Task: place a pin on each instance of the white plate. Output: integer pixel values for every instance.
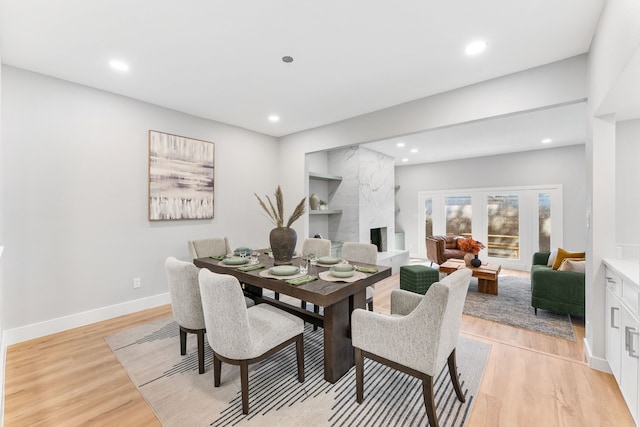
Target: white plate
(284, 270)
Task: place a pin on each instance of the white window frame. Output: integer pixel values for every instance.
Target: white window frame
(528, 207)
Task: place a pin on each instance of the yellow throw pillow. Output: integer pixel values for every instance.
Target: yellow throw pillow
(562, 254)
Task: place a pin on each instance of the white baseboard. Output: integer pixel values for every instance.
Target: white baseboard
(594, 362)
(37, 330)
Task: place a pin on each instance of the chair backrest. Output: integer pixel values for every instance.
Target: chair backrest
(215, 246)
(318, 247)
(366, 253)
(437, 321)
(185, 293)
(225, 315)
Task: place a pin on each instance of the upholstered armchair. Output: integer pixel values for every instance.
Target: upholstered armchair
(215, 246)
(442, 248)
(366, 253)
(242, 336)
(417, 338)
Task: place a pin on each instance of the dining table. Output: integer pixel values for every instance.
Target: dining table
(338, 298)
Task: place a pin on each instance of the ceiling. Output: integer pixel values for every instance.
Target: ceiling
(223, 60)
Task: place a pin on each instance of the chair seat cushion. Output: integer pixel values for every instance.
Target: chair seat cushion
(417, 278)
(269, 327)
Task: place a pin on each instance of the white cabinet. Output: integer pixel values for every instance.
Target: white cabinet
(623, 335)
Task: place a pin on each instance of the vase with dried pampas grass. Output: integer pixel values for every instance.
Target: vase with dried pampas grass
(283, 238)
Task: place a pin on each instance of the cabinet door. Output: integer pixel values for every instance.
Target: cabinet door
(614, 333)
(629, 361)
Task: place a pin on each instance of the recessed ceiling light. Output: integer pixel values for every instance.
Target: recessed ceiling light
(405, 160)
(274, 119)
(118, 65)
(287, 59)
(546, 140)
(400, 144)
(476, 47)
(414, 150)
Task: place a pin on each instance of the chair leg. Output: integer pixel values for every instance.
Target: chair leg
(429, 404)
(217, 369)
(183, 341)
(453, 373)
(359, 375)
(244, 384)
(300, 358)
(277, 295)
(535, 310)
(370, 304)
(200, 335)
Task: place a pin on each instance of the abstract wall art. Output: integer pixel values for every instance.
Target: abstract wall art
(181, 177)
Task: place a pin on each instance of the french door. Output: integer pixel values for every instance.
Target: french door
(512, 222)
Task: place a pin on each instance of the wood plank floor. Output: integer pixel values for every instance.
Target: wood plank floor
(73, 379)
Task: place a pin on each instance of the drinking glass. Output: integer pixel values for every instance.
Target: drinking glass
(304, 265)
(254, 257)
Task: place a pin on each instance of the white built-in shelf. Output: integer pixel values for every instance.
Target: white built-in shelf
(324, 176)
(325, 211)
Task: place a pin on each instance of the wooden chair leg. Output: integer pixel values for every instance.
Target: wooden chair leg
(200, 335)
(183, 341)
(453, 373)
(217, 369)
(535, 310)
(370, 304)
(277, 295)
(300, 358)
(244, 384)
(359, 375)
(429, 404)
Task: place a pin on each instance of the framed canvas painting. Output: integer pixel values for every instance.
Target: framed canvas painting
(181, 171)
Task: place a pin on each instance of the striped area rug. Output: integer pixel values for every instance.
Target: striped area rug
(170, 383)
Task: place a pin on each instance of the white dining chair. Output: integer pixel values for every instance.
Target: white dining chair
(417, 338)
(243, 336)
(366, 253)
(215, 246)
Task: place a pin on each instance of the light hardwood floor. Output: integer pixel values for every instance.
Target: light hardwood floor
(73, 378)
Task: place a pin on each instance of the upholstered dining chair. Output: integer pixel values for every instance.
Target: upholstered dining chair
(417, 338)
(317, 247)
(366, 253)
(243, 336)
(215, 246)
(186, 304)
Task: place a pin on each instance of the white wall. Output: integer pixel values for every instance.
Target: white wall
(627, 182)
(616, 41)
(75, 203)
(564, 165)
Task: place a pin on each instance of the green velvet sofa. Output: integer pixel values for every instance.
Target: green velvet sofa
(553, 290)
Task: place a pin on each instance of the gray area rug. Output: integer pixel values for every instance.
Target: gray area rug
(512, 306)
(170, 383)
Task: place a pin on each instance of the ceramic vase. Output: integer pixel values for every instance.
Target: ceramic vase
(314, 201)
(467, 259)
(283, 244)
(476, 262)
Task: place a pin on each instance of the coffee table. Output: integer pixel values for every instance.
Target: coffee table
(487, 274)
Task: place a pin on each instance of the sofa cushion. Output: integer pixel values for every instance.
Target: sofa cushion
(552, 257)
(573, 264)
(562, 254)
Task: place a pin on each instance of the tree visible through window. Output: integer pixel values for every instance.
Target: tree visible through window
(458, 215)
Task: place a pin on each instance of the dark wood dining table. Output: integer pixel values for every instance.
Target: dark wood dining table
(338, 300)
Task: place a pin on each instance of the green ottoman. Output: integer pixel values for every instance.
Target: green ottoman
(417, 278)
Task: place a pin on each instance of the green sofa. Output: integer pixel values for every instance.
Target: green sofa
(558, 291)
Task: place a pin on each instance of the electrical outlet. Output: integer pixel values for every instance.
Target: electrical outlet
(137, 282)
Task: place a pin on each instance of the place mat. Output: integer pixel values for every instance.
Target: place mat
(267, 274)
(326, 275)
(251, 267)
(302, 280)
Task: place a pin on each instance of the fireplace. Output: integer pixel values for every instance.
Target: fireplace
(379, 238)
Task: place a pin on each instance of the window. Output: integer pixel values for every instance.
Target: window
(503, 226)
(458, 215)
(428, 217)
(544, 222)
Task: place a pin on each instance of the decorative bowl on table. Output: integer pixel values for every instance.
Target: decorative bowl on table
(342, 271)
(235, 260)
(328, 260)
(284, 270)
